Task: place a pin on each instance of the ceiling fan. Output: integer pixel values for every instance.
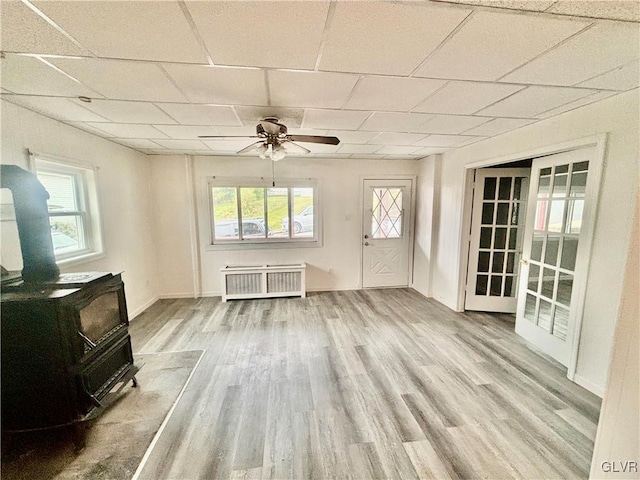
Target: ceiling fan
(274, 141)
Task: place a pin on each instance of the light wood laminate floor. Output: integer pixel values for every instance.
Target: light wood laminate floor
(362, 384)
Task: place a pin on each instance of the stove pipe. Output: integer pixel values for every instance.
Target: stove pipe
(32, 217)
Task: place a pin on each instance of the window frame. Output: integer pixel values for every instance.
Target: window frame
(267, 242)
(86, 191)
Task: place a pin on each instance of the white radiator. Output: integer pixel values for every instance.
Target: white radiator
(263, 281)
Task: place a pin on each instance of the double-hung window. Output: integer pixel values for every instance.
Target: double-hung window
(251, 211)
(73, 208)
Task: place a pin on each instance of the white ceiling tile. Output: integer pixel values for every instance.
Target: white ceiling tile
(137, 143)
(529, 5)
(465, 97)
(190, 114)
(348, 136)
(182, 144)
(283, 35)
(615, 10)
(621, 78)
(386, 37)
(127, 130)
(430, 151)
(445, 140)
(532, 101)
(28, 75)
(577, 103)
(492, 44)
(396, 122)
(25, 31)
(121, 111)
(90, 129)
(223, 86)
(181, 132)
(55, 107)
(122, 80)
(250, 116)
(392, 138)
(230, 146)
(244, 131)
(452, 123)
(307, 131)
(334, 119)
(355, 148)
(310, 89)
(597, 50)
(395, 94)
(397, 150)
(498, 126)
(135, 30)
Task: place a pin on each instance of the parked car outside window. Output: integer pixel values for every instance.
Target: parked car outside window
(303, 222)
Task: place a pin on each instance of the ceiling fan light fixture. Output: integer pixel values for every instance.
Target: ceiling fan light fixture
(278, 153)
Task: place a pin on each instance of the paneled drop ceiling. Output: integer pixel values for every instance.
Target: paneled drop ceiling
(390, 79)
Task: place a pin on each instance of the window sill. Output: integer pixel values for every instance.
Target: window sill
(80, 259)
(265, 245)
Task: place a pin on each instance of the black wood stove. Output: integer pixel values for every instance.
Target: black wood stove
(65, 339)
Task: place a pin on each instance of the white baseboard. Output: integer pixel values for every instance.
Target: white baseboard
(589, 385)
(139, 310)
(332, 289)
(170, 296)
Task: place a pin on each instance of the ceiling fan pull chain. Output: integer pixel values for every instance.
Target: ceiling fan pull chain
(273, 173)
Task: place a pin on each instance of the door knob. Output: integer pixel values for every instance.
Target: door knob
(366, 236)
(366, 244)
(524, 261)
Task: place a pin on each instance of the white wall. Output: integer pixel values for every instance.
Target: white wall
(426, 220)
(617, 116)
(333, 266)
(123, 182)
(617, 438)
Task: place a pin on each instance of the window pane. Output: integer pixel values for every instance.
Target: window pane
(277, 212)
(485, 237)
(496, 286)
(489, 188)
(225, 213)
(578, 184)
(513, 238)
(487, 213)
(481, 284)
(574, 216)
(511, 262)
(560, 184)
(530, 308)
(517, 188)
(504, 190)
(544, 315)
(555, 216)
(67, 234)
(551, 252)
(534, 274)
(498, 262)
(569, 253)
(565, 288)
(252, 206)
(548, 282)
(502, 217)
(541, 214)
(483, 261)
(302, 212)
(536, 247)
(560, 322)
(500, 241)
(508, 287)
(62, 191)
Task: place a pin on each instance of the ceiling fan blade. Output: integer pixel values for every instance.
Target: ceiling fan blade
(251, 147)
(228, 136)
(291, 147)
(314, 139)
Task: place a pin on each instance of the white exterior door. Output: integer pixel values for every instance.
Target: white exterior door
(497, 224)
(386, 233)
(560, 220)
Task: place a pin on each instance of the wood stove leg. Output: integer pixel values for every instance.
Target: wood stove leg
(134, 382)
(79, 436)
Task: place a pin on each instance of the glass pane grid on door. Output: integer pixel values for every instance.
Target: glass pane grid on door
(558, 220)
(386, 213)
(498, 256)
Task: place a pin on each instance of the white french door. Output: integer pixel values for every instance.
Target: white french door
(497, 224)
(560, 217)
(386, 235)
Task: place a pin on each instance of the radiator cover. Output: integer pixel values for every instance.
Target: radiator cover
(263, 281)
